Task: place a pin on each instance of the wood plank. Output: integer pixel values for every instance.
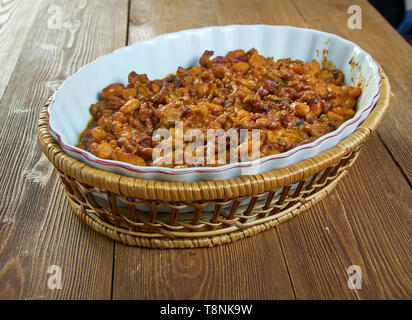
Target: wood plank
(251, 268)
(383, 42)
(257, 12)
(13, 34)
(376, 225)
(326, 228)
(365, 221)
(38, 228)
(150, 18)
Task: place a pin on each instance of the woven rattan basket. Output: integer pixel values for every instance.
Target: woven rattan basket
(206, 213)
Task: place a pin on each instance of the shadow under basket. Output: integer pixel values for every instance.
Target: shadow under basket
(205, 213)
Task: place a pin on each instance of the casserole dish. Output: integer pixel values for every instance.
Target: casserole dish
(160, 56)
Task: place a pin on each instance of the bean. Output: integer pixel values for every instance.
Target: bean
(97, 109)
(257, 61)
(104, 150)
(241, 67)
(155, 88)
(338, 77)
(98, 133)
(302, 109)
(298, 68)
(248, 83)
(333, 88)
(196, 70)
(129, 93)
(355, 92)
(205, 59)
(219, 71)
(336, 117)
(119, 116)
(115, 89)
(235, 54)
(347, 113)
(139, 161)
(113, 143)
(120, 155)
(130, 106)
(202, 89)
(314, 66)
(316, 108)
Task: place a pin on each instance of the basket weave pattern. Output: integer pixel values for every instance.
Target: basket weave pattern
(197, 214)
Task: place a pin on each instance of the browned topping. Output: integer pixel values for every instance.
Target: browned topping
(290, 101)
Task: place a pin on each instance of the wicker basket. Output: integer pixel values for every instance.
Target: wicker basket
(206, 213)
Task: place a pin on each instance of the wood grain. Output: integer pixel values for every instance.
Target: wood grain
(38, 228)
(252, 268)
(13, 33)
(376, 225)
(149, 18)
(360, 224)
(394, 54)
(309, 237)
(257, 12)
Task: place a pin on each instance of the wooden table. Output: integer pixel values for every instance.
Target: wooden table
(366, 221)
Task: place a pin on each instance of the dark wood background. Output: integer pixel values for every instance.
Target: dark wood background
(366, 221)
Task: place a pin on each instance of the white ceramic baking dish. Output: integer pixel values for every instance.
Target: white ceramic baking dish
(157, 57)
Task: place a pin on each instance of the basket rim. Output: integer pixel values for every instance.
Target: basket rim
(209, 189)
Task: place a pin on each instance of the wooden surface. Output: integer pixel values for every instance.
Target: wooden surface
(366, 221)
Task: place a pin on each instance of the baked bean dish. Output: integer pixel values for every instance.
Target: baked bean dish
(288, 102)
